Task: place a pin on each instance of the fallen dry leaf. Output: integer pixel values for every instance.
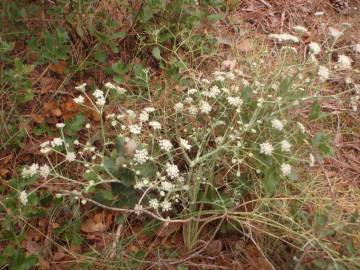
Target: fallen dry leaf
(47, 84)
(245, 45)
(32, 247)
(214, 248)
(38, 118)
(166, 231)
(51, 109)
(58, 68)
(97, 223)
(69, 109)
(59, 255)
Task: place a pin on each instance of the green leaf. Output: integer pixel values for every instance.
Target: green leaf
(119, 68)
(103, 195)
(322, 142)
(75, 124)
(270, 181)
(246, 94)
(100, 56)
(148, 169)
(316, 111)
(156, 53)
(120, 143)
(215, 17)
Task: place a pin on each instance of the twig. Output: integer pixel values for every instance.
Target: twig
(332, 193)
(116, 240)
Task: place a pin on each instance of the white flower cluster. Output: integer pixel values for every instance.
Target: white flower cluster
(35, 169)
(284, 38)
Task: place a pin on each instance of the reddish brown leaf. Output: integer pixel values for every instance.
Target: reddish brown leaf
(38, 118)
(58, 68)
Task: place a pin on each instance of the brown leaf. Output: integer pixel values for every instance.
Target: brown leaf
(51, 109)
(43, 264)
(166, 231)
(69, 109)
(98, 223)
(58, 256)
(32, 247)
(245, 45)
(214, 248)
(38, 118)
(58, 68)
(47, 84)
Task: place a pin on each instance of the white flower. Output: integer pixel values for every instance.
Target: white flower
(193, 110)
(314, 48)
(167, 186)
(149, 109)
(344, 61)
(70, 156)
(100, 101)
(277, 124)
(44, 171)
(81, 87)
(119, 89)
(205, 81)
(87, 126)
(356, 48)
(189, 100)
(214, 91)
(311, 160)
(60, 125)
(284, 37)
(235, 101)
(138, 208)
(192, 91)
(79, 100)
(23, 197)
(155, 125)
(166, 205)
(335, 33)
(56, 142)
(131, 114)
(285, 146)
(266, 148)
(285, 169)
(31, 171)
(260, 102)
(323, 73)
(144, 116)
(179, 107)
(154, 203)
(301, 127)
(172, 171)
(45, 144)
(98, 94)
(141, 156)
(300, 29)
(165, 145)
(205, 107)
(185, 144)
(109, 85)
(135, 129)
